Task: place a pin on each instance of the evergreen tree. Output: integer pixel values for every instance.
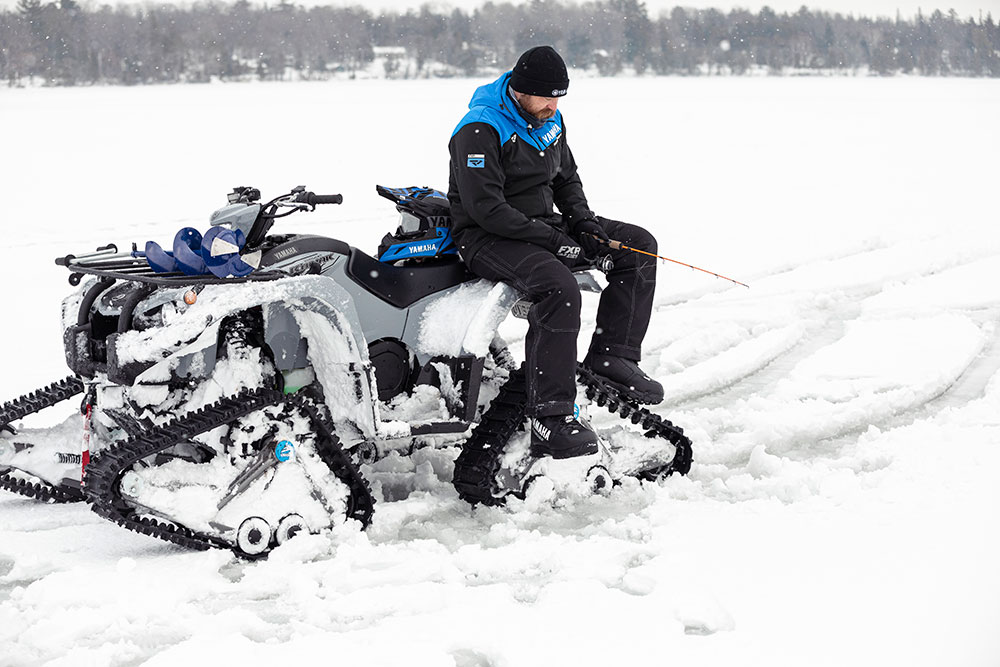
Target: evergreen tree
(62, 43)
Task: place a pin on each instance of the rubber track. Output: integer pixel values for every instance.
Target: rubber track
(479, 461)
(361, 503)
(29, 404)
(107, 468)
(616, 401)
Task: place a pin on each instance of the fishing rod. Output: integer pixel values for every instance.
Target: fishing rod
(618, 245)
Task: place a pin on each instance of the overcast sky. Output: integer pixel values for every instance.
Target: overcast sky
(907, 8)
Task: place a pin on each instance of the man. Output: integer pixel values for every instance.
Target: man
(510, 164)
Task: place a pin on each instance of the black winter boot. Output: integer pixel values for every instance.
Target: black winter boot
(625, 375)
(561, 437)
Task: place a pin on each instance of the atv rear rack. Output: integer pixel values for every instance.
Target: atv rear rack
(107, 262)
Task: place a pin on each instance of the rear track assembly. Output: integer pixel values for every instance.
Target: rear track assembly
(479, 462)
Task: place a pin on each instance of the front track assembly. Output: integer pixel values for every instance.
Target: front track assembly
(479, 464)
(26, 405)
(106, 471)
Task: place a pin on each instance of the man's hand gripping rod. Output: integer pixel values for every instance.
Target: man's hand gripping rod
(618, 245)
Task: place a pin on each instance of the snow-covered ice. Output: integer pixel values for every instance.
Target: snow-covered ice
(845, 410)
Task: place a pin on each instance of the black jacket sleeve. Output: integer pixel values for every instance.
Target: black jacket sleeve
(481, 187)
(567, 189)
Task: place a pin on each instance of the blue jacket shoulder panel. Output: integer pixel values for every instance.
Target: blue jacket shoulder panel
(491, 117)
(490, 105)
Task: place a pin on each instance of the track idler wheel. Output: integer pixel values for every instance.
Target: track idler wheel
(290, 526)
(599, 480)
(254, 536)
(132, 484)
(545, 480)
(365, 453)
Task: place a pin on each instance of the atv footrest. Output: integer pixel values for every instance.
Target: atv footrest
(439, 427)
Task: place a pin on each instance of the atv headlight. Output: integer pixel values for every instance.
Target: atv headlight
(148, 319)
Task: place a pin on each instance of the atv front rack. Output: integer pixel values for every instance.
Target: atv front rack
(82, 340)
(107, 262)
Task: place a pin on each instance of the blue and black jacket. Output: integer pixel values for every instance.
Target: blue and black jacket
(508, 169)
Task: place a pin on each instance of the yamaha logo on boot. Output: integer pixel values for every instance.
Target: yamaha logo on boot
(540, 430)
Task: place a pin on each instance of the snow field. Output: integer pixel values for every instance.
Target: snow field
(842, 507)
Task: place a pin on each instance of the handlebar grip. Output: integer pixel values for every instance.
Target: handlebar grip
(313, 199)
(328, 199)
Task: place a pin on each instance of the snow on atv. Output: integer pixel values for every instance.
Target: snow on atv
(234, 387)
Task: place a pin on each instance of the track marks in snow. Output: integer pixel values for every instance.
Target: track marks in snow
(893, 281)
(876, 371)
(972, 383)
(776, 386)
(721, 364)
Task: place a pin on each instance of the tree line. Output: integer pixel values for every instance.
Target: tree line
(62, 43)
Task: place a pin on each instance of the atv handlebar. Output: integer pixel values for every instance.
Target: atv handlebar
(298, 199)
(313, 199)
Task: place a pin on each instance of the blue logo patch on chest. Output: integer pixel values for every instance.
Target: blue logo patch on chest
(476, 160)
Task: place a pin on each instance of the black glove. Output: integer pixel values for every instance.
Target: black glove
(565, 249)
(593, 248)
(591, 228)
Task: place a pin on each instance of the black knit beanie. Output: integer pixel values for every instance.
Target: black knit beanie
(540, 71)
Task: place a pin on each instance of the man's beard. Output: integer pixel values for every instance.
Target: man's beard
(543, 113)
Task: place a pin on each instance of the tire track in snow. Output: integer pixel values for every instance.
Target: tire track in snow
(754, 365)
(812, 325)
(824, 324)
(747, 410)
(801, 425)
(969, 386)
(730, 375)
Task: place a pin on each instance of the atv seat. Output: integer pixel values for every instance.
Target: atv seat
(402, 286)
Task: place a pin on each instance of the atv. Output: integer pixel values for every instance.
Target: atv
(234, 388)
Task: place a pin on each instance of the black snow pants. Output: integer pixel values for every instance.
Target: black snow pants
(554, 318)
